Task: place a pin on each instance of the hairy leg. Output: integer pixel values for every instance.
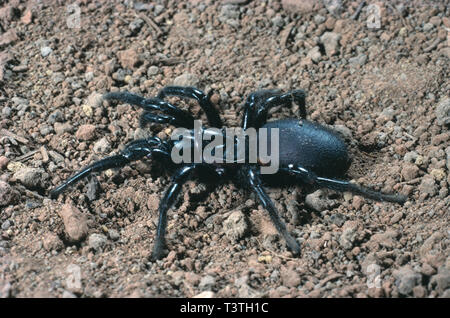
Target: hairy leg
(255, 184)
(259, 103)
(194, 93)
(170, 113)
(133, 151)
(180, 177)
(342, 185)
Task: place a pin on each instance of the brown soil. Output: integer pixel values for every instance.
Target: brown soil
(385, 88)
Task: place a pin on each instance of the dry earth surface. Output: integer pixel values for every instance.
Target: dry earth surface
(381, 82)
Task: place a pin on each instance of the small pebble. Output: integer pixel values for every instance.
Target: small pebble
(318, 201)
(113, 234)
(85, 132)
(102, 146)
(152, 70)
(97, 241)
(32, 178)
(406, 279)
(46, 50)
(235, 226)
(6, 225)
(75, 223)
(207, 282)
(443, 112)
(186, 79)
(3, 162)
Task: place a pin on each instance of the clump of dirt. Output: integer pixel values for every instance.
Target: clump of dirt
(378, 75)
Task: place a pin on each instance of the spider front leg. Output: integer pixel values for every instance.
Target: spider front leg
(180, 177)
(194, 93)
(133, 151)
(311, 178)
(255, 184)
(170, 114)
(259, 103)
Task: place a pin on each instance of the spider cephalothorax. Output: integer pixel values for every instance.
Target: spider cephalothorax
(306, 151)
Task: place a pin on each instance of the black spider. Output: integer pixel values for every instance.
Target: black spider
(309, 153)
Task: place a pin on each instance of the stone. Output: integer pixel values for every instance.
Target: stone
(102, 146)
(314, 54)
(113, 234)
(330, 40)
(207, 282)
(349, 234)
(152, 70)
(7, 194)
(428, 186)
(235, 226)
(97, 241)
(85, 132)
(128, 58)
(27, 17)
(205, 294)
(32, 178)
(51, 242)
(443, 112)
(61, 128)
(440, 281)
(45, 51)
(406, 279)
(94, 100)
(186, 79)
(296, 6)
(361, 59)
(75, 223)
(409, 172)
(385, 239)
(318, 201)
(289, 277)
(8, 37)
(333, 6)
(5, 288)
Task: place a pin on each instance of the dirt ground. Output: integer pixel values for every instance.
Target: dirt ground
(377, 73)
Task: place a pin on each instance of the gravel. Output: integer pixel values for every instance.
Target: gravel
(85, 132)
(235, 226)
(330, 40)
(443, 112)
(7, 194)
(318, 201)
(97, 242)
(186, 79)
(46, 51)
(32, 178)
(102, 146)
(406, 279)
(207, 282)
(385, 90)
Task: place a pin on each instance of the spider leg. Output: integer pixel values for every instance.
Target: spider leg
(256, 185)
(148, 117)
(180, 177)
(194, 93)
(259, 103)
(342, 185)
(133, 151)
(171, 114)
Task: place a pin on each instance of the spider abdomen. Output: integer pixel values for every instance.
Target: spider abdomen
(310, 145)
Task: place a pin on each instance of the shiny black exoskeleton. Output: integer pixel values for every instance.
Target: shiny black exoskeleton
(308, 152)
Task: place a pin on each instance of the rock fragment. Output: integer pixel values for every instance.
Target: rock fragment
(235, 225)
(75, 223)
(406, 280)
(32, 178)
